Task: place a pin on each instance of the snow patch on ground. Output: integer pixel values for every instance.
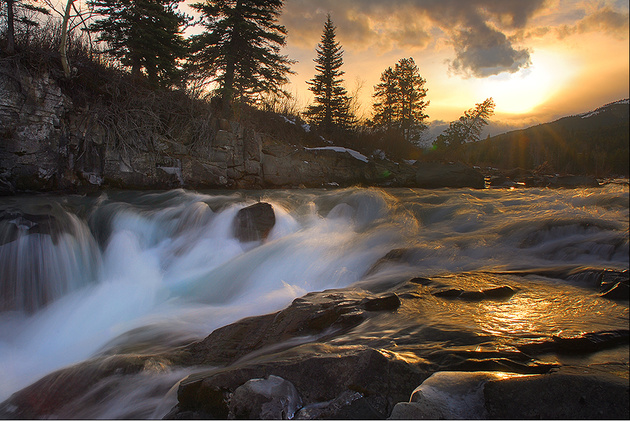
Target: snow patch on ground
(355, 154)
(305, 126)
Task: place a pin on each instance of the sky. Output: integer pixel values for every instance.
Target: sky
(538, 59)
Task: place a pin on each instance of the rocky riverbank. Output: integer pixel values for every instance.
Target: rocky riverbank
(398, 352)
(53, 139)
(56, 140)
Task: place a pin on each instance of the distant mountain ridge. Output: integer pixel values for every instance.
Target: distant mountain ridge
(595, 143)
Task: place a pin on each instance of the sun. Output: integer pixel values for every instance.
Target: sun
(523, 91)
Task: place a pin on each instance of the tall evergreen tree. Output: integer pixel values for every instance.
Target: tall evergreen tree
(239, 50)
(399, 100)
(468, 127)
(412, 94)
(386, 96)
(145, 35)
(332, 104)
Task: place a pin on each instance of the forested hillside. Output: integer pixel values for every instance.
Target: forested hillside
(594, 143)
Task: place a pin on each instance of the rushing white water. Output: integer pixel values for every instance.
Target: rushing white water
(160, 269)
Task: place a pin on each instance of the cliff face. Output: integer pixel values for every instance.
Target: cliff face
(49, 143)
(100, 132)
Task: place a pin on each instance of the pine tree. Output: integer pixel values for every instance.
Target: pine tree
(399, 100)
(386, 105)
(332, 105)
(468, 127)
(239, 50)
(412, 93)
(145, 35)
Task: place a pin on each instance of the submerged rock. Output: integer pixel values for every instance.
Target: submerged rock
(254, 223)
(59, 392)
(386, 302)
(581, 344)
(496, 293)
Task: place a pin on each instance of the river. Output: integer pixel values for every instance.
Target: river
(84, 276)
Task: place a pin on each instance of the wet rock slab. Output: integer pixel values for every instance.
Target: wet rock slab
(360, 354)
(567, 393)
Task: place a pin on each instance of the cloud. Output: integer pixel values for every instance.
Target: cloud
(603, 20)
(411, 26)
(488, 36)
(486, 52)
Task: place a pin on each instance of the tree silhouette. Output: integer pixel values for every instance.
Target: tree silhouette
(399, 100)
(239, 50)
(386, 105)
(468, 127)
(144, 35)
(332, 104)
(18, 12)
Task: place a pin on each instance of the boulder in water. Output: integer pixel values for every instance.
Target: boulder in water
(386, 302)
(254, 223)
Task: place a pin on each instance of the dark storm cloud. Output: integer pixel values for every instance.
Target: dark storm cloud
(486, 52)
(475, 28)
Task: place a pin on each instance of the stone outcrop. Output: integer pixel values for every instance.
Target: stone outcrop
(49, 143)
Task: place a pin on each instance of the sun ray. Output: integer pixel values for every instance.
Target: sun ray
(523, 91)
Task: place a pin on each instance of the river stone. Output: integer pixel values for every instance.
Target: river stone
(386, 302)
(323, 374)
(254, 222)
(596, 392)
(435, 175)
(447, 395)
(573, 181)
(619, 291)
(273, 398)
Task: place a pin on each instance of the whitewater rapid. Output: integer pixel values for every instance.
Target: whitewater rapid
(87, 276)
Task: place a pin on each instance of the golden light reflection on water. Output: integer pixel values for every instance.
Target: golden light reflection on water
(528, 315)
(519, 316)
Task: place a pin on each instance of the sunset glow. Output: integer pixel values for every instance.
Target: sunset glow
(523, 91)
(539, 60)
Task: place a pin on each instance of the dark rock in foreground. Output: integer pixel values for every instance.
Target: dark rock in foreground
(568, 393)
(361, 354)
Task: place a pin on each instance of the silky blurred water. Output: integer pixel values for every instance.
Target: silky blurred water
(83, 276)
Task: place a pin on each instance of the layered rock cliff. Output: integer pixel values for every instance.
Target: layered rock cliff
(117, 135)
(51, 143)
